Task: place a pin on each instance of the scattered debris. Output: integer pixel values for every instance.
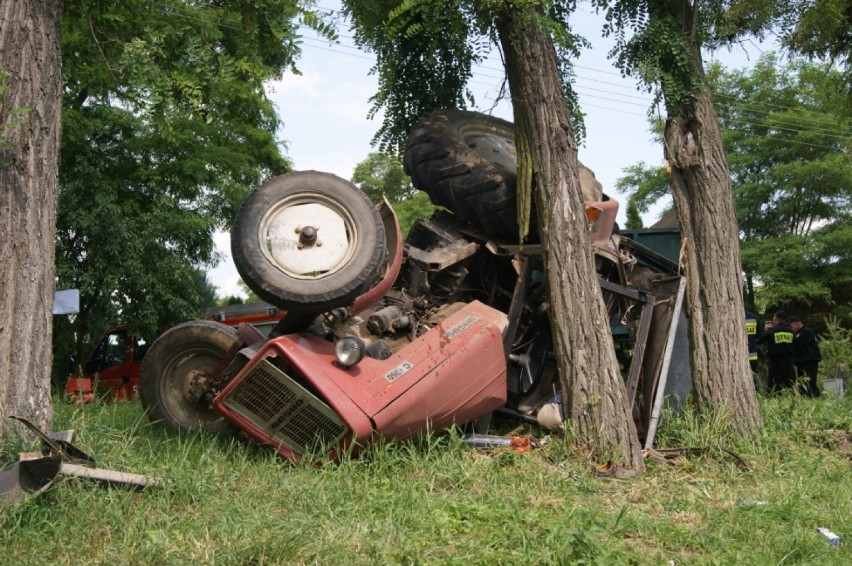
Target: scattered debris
(35, 472)
(668, 455)
(613, 470)
(833, 539)
(751, 503)
(28, 477)
(837, 387)
(550, 416)
(58, 444)
(843, 440)
(520, 444)
(110, 478)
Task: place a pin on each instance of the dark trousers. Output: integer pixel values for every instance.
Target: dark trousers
(809, 369)
(781, 373)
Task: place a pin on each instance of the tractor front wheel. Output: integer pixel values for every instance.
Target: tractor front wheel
(174, 374)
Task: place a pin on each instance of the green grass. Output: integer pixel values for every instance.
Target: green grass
(435, 501)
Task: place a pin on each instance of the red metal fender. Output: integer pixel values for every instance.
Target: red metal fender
(394, 242)
(601, 218)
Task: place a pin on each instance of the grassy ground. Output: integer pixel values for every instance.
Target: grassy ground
(436, 501)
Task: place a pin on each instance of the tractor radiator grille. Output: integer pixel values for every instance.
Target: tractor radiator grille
(270, 400)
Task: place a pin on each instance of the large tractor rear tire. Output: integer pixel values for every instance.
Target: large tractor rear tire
(467, 162)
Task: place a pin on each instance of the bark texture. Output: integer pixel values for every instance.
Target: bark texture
(701, 187)
(30, 49)
(593, 391)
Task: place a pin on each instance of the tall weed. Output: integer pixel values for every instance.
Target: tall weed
(836, 349)
(708, 427)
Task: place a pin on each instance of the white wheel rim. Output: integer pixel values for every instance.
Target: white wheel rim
(283, 244)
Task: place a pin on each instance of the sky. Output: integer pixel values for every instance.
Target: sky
(325, 126)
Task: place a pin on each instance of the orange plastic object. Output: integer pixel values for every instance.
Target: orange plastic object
(78, 390)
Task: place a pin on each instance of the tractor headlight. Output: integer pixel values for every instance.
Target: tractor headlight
(349, 350)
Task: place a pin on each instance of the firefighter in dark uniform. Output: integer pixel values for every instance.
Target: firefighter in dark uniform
(806, 354)
(752, 333)
(779, 340)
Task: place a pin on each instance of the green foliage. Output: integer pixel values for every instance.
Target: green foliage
(425, 51)
(423, 59)
(634, 218)
(835, 345)
(166, 128)
(808, 274)
(657, 52)
(786, 137)
(657, 43)
(382, 175)
(646, 185)
(734, 19)
(820, 29)
(791, 120)
(246, 297)
(414, 208)
(251, 296)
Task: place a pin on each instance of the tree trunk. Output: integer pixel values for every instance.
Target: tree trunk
(592, 388)
(30, 61)
(701, 187)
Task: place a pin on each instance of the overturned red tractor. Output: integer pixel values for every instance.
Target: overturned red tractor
(385, 338)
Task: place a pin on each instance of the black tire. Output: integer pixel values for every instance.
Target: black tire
(467, 163)
(189, 349)
(302, 275)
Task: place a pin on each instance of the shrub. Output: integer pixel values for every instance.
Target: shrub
(836, 348)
